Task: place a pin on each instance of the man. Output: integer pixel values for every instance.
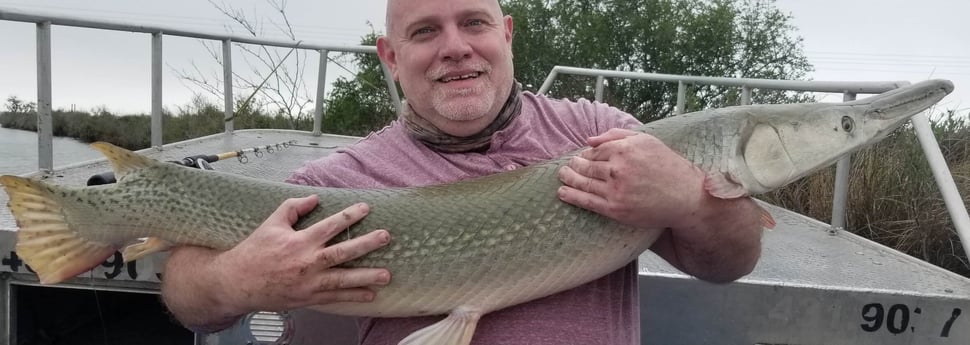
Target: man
(466, 117)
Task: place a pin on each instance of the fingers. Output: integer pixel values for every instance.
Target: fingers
(351, 249)
(344, 251)
(342, 295)
(593, 169)
(583, 199)
(297, 268)
(603, 152)
(292, 209)
(349, 285)
(327, 228)
(620, 142)
(585, 175)
(348, 278)
(610, 135)
(585, 184)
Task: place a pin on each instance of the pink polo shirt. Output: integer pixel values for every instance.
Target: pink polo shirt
(604, 311)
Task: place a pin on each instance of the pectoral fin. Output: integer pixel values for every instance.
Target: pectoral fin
(720, 185)
(456, 329)
(149, 245)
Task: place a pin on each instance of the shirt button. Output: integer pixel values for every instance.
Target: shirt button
(510, 167)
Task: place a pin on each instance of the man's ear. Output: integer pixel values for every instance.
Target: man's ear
(508, 29)
(387, 55)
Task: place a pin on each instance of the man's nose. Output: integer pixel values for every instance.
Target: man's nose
(455, 45)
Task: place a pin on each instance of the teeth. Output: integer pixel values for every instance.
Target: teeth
(466, 76)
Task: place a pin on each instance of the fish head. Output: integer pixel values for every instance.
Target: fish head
(787, 142)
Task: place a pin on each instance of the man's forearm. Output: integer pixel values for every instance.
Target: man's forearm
(724, 245)
(193, 294)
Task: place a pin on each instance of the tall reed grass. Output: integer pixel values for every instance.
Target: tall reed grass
(893, 198)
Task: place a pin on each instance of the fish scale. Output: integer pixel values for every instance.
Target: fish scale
(471, 245)
(466, 248)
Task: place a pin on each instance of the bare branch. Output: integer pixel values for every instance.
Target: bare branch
(280, 6)
(269, 77)
(238, 16)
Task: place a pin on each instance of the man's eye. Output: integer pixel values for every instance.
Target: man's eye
(475, 22)
(423, 31)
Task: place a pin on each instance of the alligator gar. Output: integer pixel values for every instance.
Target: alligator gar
(465, 248)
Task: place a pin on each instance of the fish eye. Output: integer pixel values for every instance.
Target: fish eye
(848, 124)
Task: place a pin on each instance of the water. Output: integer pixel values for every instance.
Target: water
(18, 151)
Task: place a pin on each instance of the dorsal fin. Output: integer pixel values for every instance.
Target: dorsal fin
(122, 160)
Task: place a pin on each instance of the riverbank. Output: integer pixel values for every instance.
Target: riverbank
(133, 132)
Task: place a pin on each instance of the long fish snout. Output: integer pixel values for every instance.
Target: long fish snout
(788, 142)
(904, 102)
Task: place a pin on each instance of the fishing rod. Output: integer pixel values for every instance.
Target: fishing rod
(202, 161)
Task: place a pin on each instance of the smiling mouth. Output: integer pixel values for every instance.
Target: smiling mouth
(460, 77)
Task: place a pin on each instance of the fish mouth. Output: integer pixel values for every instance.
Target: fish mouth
(904, 102)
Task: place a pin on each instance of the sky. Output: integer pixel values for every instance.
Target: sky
(846, 40)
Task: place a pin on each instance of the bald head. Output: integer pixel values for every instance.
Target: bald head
(397, 10)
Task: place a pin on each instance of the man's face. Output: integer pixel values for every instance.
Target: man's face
(453, 59)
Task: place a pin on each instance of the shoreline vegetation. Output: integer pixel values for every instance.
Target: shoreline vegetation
(893, 197)
(133, 132)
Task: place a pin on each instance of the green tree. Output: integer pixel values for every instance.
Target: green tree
(16, 105)
(360, 105)
(722, 38)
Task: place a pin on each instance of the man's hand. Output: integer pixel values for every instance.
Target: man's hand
(275, 268)
(635, 179)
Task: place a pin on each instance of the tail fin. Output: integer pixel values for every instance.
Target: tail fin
(45, 240)
(122, 160)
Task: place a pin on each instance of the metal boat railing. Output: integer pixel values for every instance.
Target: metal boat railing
(44, 100)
